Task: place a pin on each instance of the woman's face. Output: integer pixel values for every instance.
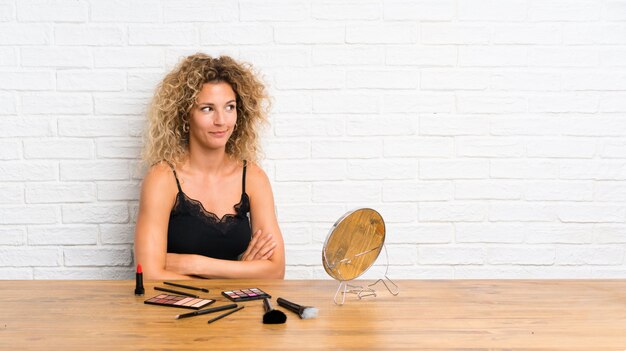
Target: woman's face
(213, 117)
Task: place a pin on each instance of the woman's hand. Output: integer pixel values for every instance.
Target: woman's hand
(261, 247)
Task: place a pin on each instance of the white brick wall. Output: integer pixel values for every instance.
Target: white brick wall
(491, 135)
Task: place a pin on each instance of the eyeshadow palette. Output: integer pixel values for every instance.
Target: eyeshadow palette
(178, 301)
(246, 294)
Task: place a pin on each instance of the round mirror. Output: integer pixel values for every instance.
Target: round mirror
(353, 244)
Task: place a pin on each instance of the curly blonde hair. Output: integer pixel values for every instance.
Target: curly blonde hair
(175, 97)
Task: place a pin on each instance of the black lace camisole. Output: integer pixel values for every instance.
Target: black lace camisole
(194, 230)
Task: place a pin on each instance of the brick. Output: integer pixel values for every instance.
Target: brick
(421, 55)
(422, 102)
(559, 191)
(119, 148)
(386, 33)
(527, 124)
(125, 104)
(94, 170)
(236, 34)
(448, 33)
(417, 191)
(22, 171)
(382, 79)
(493, 56)
(490, 147)
(56, 57)
(421, 10)
(400, 255)
(563, 57)
(346, 191)
(615, 10)
(301, 256)
(310, 170)
(274, 10)
(558, 233)
(125, 11)
(422, 272)
(290, 192)
(452, 212)
(62, 235)
(346, 149)
(91, 80)
(309, 212)
(56, 103)
(309, 78)
(609, 233)
(397, 213)
(563, 148)
(429, 233)
(453, 125)
(25, 34)
(277, 57)
(512, 211)
(289, 127)
(287, 149)
(8, 56)
(593, 169)
(26, 257)
(345, 103)
(88, 35)
(95, 213)
(83, 273)
(27, 126)
(612, 149)
(612, 57)
(10, 149)
(487, 190)
(346, 55)
(140, 81)
(491, 103)
(52, 11)
(595, 255)
(593, 33)
(491, 232)
(30, 81)
(458, 255)
(381, 125)
(591, 213)
(296, 234)
(101, 256)
(489, 10)
(7, 11)
(201, 11)
(117, 233)
(16, 273)
(454, 80)
(309, 34)
(41, 193)
(295, 102)
(93, 127)
(13, 236)
(32, 214)
(136, 127)
(346, 10)
(128, 57)
(454, 169)
(521, 34)
(521, 255)
(520, 272)
(526, 81)
(58, 148)
(559, 10)
(162, 35)
(594, 80)
(7, 105)
(372, 169)
(114, 191)
(523, 169)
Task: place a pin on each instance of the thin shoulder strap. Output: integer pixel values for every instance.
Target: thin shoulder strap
(175, 176)
(243, 179)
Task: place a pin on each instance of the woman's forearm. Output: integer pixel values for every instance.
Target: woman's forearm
(207, 267)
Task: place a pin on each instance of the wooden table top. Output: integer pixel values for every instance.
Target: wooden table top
(427, 314)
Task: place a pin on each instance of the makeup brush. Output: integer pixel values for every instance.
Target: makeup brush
(305, 312)
(271, 315)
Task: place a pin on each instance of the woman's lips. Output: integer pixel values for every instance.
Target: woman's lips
(219, 134)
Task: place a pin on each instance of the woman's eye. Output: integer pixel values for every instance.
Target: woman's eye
(206, 109)
(230, 107)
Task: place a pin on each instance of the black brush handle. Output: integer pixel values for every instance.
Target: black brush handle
(293, 307)
(267, 305)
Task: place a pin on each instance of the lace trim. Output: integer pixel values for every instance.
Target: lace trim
(196, 209)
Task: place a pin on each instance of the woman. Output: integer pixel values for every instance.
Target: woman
(204, 196)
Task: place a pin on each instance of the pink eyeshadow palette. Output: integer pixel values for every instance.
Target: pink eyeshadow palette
(246, 294)
(178, 301)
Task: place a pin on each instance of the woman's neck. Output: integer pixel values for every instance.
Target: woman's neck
(206, 162)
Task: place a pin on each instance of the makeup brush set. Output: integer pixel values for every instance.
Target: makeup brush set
(181, 299)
